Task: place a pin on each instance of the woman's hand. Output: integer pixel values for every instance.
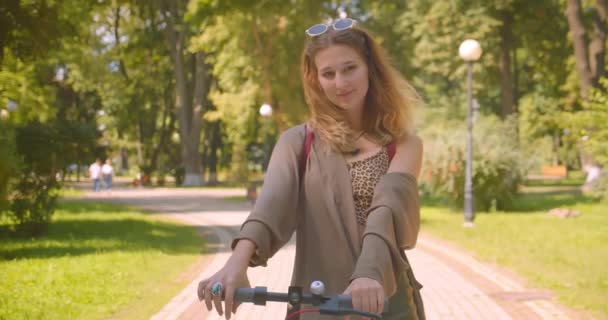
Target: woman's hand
(232, 276)
(367, 295)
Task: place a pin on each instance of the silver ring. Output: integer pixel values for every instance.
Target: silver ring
(216, 289)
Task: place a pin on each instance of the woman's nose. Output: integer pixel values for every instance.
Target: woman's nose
(341, 81)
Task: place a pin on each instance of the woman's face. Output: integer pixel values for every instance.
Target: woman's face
(343, 76)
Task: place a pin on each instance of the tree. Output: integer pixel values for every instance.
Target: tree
(437, 29)
(28, 29)
(254, 49)
(34, 192)
(589, 124)
(589, 47)
(8, 162)
(190, 97)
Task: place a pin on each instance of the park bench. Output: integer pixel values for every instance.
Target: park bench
(555, 171)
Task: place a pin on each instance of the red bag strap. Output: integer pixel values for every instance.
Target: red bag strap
(309, 137)
(391, 149)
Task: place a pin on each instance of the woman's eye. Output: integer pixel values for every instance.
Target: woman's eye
(328, 75)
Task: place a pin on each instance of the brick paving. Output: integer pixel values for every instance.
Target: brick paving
(456, 285)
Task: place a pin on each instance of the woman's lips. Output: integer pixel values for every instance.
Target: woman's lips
(345, 94)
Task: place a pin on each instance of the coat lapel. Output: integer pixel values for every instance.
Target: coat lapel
(337, 192)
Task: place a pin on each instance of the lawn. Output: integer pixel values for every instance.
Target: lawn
(97, 261)
(569, 256)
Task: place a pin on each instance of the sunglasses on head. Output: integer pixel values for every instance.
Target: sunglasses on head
(338, 25)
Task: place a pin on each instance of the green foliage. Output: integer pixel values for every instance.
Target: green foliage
(590, 132)
(590, 124)
(436, 30)
(8, 163)
(254, 55)
(544, 131)
(498, 166)
(599, 187)
(34, 190)
(29, 28)
(22, 83)
(117, 61)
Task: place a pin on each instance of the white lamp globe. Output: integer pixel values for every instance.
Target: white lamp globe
(470, 50)
(265, 110)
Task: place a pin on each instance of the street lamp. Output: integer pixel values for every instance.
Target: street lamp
(60, 73)
(469, 51)
(266, 112)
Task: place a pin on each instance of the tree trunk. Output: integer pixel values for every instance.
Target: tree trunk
(577, 29)
(124, 160)
(212, 160)
(507, 101)
(189, 111)
(515, 80)
(162, 141)
(590, 61)
(556, 144)
(190, 145)
(597, 46)
(264, 51)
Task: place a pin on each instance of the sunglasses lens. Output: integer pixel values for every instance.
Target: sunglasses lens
(343, 24)
(316, 30)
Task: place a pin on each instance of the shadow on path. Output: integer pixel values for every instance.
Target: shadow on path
(94, 228)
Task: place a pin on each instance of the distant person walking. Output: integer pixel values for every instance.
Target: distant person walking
(107, 171)
(94, 174)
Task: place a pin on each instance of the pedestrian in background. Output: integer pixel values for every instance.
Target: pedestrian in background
(107, 172)
(95, 174)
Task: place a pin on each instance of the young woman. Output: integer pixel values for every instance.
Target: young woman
(351, 194)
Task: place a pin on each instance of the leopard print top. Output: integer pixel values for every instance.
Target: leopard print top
(365, 174)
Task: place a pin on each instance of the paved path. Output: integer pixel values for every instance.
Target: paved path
(456, 286)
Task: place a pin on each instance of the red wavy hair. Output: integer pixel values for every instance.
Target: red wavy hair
(390, 99)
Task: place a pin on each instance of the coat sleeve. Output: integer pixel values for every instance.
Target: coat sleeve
(273, 219)
(393, 223)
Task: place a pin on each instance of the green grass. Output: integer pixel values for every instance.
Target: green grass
(70, 192)
(97, 261)
(569, 256)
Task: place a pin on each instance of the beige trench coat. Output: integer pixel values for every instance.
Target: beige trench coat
(330, 246)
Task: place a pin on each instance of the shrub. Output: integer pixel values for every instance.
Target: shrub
(8, 163)
(34, 189)
(599, 188)
(498, 166)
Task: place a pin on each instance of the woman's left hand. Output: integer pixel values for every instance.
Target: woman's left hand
(367, 295)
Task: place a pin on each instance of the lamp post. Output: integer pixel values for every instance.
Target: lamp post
(252, 190)
(469, 51)
(266, 112)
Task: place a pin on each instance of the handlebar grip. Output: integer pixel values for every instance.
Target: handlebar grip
(345, 301)
(260, 295)
(257, 295)
(244, 294)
